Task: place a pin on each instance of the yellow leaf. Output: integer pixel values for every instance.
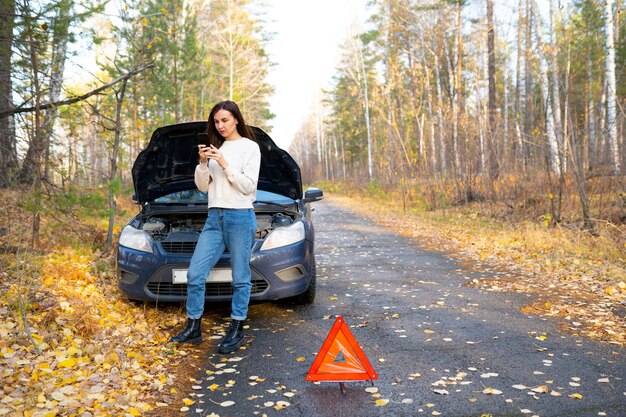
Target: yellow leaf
(577, 396)
(187, 401)
(134, 412)
(429, 331)
(380, 403)
(610, 290)
(300, 359)
(213, 387)
(68, 363)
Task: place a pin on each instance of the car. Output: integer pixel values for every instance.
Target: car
(155, 247)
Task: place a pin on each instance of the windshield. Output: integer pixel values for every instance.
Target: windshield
(198, 197)
(184, 197)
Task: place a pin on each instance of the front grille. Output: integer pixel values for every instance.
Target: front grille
(213, 289)
(179, 247)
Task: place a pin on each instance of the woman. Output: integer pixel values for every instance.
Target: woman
(228, 171)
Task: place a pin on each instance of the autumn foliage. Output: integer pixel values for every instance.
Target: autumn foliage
(69, 342)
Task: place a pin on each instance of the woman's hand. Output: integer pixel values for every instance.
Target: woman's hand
(203, 153)
(211, 152)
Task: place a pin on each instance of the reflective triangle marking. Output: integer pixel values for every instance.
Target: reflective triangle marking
(341, 358)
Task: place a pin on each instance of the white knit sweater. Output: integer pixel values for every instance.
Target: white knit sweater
(234, 187)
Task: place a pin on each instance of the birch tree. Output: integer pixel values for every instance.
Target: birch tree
(553, 145)
(491, 71)
(611, 106)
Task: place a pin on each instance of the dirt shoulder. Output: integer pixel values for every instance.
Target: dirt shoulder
(578, 279)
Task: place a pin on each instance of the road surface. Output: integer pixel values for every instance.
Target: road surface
(438, 346)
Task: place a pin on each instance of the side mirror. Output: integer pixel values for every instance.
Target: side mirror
(313, 194)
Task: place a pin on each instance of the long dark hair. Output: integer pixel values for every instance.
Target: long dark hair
(243, 129)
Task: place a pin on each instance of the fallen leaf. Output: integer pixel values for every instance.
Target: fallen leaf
(380, 403)
(300, 359)
(492, 391)
(227, 403)
(577, 396)
(440, 391)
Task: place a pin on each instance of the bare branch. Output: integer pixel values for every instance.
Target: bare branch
(73, 100)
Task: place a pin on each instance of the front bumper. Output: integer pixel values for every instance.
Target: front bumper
(276, 274)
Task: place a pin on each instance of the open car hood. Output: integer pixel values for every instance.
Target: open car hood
(168, 164)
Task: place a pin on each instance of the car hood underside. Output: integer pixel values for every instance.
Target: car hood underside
(168, 164)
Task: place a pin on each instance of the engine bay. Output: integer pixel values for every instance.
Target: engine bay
(187, 227)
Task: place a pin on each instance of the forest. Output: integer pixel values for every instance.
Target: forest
(445, 102)
(445, 105)
(494, 129)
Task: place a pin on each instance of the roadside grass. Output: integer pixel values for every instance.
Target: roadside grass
(70, 343)
(577, 276)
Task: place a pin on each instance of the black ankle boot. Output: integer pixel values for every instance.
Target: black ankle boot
(234, 337)
(191, 334)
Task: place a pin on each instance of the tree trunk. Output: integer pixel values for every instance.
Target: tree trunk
(113, 173)
(528, 94)
(370, 163)
(516, 100)
(556, 95)
(505, 111)
(36, 173)
(431, 122)
(442, 143)
(611, 107)
(591, 118)
(491, 68)
(554, 154)
(8, 153)
(57, 66)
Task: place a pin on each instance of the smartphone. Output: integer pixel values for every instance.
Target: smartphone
(203, 138)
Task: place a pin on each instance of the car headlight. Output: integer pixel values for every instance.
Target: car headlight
(136, 239)
(283, 236)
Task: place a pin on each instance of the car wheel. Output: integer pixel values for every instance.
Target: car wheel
(308, 296)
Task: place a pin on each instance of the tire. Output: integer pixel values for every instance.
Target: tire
(308, 297)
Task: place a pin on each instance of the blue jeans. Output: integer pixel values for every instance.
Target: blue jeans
(231, 229)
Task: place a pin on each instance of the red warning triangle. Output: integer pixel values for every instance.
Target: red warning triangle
(341, 358)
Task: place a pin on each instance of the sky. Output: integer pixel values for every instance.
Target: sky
(306, 52)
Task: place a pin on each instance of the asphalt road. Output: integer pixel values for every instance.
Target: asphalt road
(438, 346)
